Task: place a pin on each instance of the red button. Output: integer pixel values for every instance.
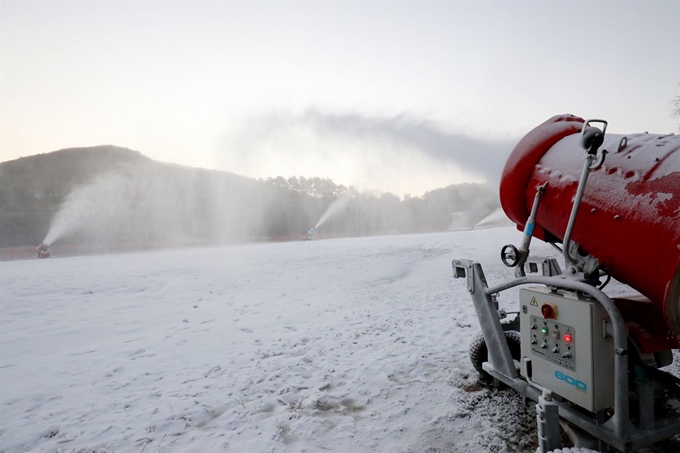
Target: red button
(567, 338)
(548, 311)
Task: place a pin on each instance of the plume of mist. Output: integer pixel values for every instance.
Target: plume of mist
(470, 154)
(141, 205)
(333, 209)
(95, 208)
(495, 218)
(398, 153)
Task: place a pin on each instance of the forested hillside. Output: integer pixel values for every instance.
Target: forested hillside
(120, 198)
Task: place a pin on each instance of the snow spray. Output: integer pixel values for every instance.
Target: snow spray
(333, 209)
(89, 208)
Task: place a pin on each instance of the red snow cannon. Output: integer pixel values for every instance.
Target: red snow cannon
(43, 251)
(628, 219)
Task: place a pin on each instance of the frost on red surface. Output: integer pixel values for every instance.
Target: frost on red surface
(667, 206)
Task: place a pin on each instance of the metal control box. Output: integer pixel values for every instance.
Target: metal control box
(564, 335)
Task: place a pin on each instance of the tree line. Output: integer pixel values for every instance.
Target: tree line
(304, 200)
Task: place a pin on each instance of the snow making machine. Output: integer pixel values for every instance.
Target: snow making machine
(594, 363)
(42, 252)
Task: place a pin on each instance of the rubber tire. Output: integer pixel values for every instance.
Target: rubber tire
(479, 353)
(572, 450)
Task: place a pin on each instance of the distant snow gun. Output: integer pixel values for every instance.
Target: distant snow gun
(311, 235)
(43, 251)
(611, 204)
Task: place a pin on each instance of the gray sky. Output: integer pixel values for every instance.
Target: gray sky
(365, 93)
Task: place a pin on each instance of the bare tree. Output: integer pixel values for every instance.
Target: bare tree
(675, 110)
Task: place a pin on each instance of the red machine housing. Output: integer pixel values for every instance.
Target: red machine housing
(43, 251)
(629, 217)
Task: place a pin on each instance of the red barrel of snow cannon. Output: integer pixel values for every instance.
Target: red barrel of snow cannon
(629, 218)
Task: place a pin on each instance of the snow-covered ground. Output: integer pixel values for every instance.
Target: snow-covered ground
(345, 345)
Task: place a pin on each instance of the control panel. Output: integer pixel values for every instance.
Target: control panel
(564, 335)
(554, 342)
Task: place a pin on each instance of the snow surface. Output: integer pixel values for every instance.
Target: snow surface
(345, 345)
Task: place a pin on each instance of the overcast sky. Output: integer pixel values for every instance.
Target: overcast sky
(368, 93)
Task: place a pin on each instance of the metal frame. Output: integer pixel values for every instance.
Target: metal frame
(618, 431)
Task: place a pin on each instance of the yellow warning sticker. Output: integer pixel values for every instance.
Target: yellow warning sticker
(534, 302)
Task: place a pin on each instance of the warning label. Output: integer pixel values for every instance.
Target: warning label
(534, 302)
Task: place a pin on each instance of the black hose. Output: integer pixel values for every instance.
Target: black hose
(606, 282)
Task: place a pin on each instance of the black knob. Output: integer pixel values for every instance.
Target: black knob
(592, 140)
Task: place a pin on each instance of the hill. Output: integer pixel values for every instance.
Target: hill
(105, 184)
(116, 198)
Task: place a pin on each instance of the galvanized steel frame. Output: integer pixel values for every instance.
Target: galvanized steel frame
(618, 431)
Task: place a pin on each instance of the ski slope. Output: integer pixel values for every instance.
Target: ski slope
(344, 345)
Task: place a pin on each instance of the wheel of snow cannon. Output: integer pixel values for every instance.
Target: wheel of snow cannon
(479, 353)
